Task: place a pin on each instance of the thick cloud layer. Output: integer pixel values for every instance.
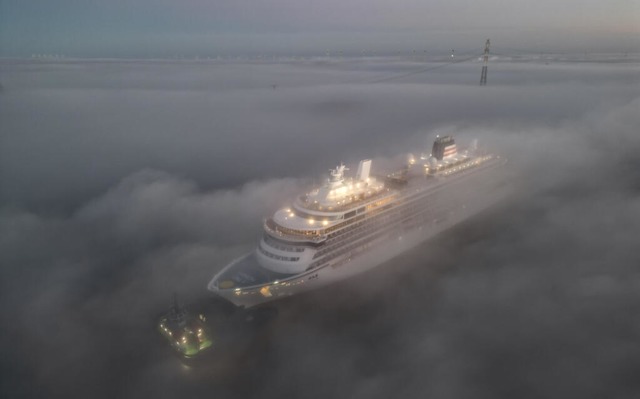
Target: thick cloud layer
(125, 182)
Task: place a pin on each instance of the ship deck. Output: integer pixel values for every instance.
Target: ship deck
(246, 272)
(305, 204)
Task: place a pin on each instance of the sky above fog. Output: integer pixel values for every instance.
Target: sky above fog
(125, 181)
(161, 28)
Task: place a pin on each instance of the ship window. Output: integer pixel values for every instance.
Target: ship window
(277, 244)
(349, 214)
(278, 257)
(305, 215)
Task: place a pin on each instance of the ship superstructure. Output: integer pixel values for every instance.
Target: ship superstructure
(349, 225)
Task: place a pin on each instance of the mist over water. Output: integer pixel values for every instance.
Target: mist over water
(122, 182)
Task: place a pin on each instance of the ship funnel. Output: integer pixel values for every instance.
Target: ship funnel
(363, 170)
(444, 147)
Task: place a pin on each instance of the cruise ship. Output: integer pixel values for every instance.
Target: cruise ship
(350, 225)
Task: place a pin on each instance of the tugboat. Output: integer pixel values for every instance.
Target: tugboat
(187, 334)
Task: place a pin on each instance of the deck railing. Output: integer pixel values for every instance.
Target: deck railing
(272, 228)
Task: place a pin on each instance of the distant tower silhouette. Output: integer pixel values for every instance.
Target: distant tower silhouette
(483, 76)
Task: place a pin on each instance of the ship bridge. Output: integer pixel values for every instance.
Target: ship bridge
(316, 213)
(338, 192)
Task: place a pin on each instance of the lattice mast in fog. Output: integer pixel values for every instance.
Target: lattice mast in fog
(483, 76)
